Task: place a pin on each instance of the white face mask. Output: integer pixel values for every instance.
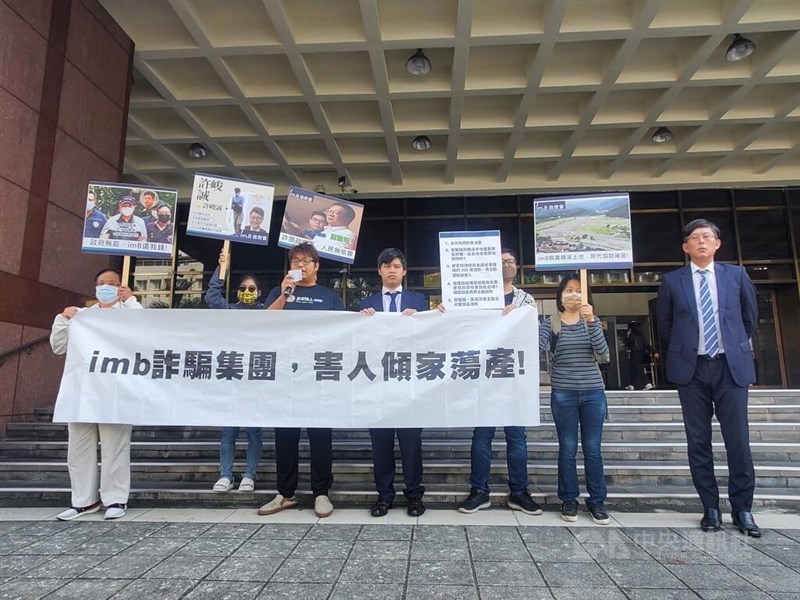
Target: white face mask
(127, 211)
(106, 293)
(90, 204)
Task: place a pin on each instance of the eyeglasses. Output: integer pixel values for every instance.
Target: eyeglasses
(706, 237)
(247, 288)
(509, 261)
(304, 262)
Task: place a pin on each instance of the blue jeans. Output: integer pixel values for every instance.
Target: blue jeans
(227, 450)
(516, 457)
(587, 408)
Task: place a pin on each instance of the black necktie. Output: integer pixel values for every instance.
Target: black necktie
(393, 301)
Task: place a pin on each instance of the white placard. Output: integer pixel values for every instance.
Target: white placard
(230, 209)
(301, 368)
(472, 270)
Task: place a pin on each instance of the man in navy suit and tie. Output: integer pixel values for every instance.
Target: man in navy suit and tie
(706, 315)
(393, 298)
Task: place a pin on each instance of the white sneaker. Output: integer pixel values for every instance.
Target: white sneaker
(323, 506)
(629, 388)
(247, 484)
(74, 513)
(223, 485)
(277, 504)
(115, 511)
(649, 386)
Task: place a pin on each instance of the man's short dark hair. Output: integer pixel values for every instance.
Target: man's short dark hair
(349, 212)
(258, 210)
(107, 270)
(149, 193)
(387, 255)
(306, 250)
(320, 213)
(689, 228)
(237, 190)
(563, 283)
(511, 252)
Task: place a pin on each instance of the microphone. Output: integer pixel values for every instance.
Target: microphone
(288, 291)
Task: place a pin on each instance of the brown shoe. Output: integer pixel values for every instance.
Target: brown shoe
(277, 504)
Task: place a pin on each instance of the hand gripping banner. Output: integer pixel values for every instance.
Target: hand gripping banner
(301, 369)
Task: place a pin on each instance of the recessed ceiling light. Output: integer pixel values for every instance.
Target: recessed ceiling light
(197, 150)
(418, 63)
(662, 134)
(421, 142)
(740, 48)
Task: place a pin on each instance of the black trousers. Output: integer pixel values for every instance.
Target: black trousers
(713, 390)
(287, 459)
(636, 374)
(384, 465)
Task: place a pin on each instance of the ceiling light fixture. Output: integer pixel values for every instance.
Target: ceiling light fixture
(662, 134)
(740, 48)
(421, 143)
(418, 63)
(197, 150)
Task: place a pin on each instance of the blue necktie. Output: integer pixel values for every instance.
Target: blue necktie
(707, 311)
(393, 301)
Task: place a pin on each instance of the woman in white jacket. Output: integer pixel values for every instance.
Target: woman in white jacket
(115, 440)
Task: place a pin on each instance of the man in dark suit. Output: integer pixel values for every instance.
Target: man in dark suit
(706, 315)
(393, 298)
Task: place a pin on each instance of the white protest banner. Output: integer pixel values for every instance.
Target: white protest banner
(301, 368)
(127, 220)
(230, 209)
(472, 272)
(583, 232)
(330, 223)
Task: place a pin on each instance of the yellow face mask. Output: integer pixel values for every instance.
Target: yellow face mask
(247, 297)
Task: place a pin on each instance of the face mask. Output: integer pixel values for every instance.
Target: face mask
(127, 212)
(163, 218)
(90, 204)
(509, 272)
(247, 297)
(571, 299)
(106, 294)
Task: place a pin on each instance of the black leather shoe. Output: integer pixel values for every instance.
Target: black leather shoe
(380, 509)
(415, 508)
(712, 520)
(746, 524)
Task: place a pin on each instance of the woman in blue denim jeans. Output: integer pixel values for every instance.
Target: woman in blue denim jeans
(577, 398)
(248, 298)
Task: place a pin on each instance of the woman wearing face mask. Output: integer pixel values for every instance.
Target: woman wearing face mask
(577, 398)
(248, 298)
(115, 440)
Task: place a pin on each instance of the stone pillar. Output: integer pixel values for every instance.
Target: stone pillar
(65, 77)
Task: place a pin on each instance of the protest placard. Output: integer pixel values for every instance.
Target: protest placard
(330, 223)
(127, 220)
(230, 209)
(472, 271)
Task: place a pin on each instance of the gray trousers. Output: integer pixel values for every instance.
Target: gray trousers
(114, 480)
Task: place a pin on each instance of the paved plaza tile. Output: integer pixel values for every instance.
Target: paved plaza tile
(201, 557)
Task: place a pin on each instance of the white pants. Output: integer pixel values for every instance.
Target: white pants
(115, 463)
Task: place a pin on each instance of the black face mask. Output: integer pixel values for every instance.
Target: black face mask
(163, 218)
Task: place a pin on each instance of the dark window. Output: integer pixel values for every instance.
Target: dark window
(381, 207)
(656, 237)
(763, 234)
(704, 198)
(653, 200)
(374, 237)
(423, 239)
(435, 206)
(528, 251)
(758, 197)
(492, 205)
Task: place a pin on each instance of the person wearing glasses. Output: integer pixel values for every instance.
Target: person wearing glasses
(707, 314)
(247, 297)
(305, 294)
(516, 442)
(90, 493)
(337, 232)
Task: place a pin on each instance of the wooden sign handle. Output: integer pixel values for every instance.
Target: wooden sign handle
(126, 269)
(226, 249)
(584, 287)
